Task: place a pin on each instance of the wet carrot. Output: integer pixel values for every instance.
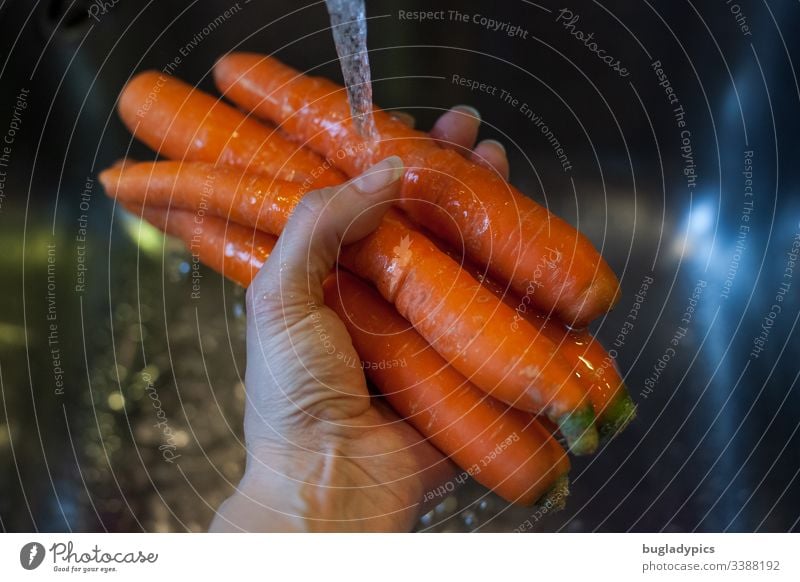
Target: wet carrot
(463, 321)
(502, 448)
(612, 403)
(471, 328)
(183, 123)
(519, 240)
(506, 450)
(242, 197)
(592, 364)
(233, 250)
(267, 203)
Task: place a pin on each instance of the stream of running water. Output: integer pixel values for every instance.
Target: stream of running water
(349, 25)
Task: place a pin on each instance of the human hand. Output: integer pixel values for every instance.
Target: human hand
(321, 455)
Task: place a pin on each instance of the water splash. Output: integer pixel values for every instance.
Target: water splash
(349, 25)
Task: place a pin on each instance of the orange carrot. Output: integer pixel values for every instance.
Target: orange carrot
(266, 203)
(504, 449)
(519, 240)
(611, 401)
(242, 197)
(233, 250)
(471, 328)
(462, 320)
(183, 123)
(594, 367)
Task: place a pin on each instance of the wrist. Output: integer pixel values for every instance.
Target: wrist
(267, 497)
(282, 492)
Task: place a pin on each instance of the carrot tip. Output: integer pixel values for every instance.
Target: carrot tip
(579, 430)
(555, 498)
(617, 415)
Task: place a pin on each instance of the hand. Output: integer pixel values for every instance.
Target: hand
(321, 455)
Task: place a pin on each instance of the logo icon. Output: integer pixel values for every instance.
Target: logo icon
(31, 555)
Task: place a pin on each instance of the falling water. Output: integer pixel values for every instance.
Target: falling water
(349, 24)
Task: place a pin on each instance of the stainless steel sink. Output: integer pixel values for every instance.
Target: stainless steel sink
(101, 345)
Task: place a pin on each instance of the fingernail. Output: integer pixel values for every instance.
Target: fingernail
(495, 142)
(404, 118)
(467, 110)
(379, 176)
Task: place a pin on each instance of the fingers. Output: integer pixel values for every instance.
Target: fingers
(491, 154)
(457, 128)
(291, 280)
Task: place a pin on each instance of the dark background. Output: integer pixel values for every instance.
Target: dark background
(715, 446)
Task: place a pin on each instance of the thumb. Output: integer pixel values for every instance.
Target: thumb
(305, 253)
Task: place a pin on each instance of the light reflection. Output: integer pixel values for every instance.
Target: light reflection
(699, 228)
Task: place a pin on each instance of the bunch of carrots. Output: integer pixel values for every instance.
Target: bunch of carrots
(498, 291)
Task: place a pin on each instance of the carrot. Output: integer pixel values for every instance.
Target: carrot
(242, 197)
(463, 321)
(231, 249)
(519, 240)
(471, 328)
(612, 403)
(182, 122)
(504, 449)
(593, 366)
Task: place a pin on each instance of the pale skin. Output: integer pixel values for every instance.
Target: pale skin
(321, 454)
